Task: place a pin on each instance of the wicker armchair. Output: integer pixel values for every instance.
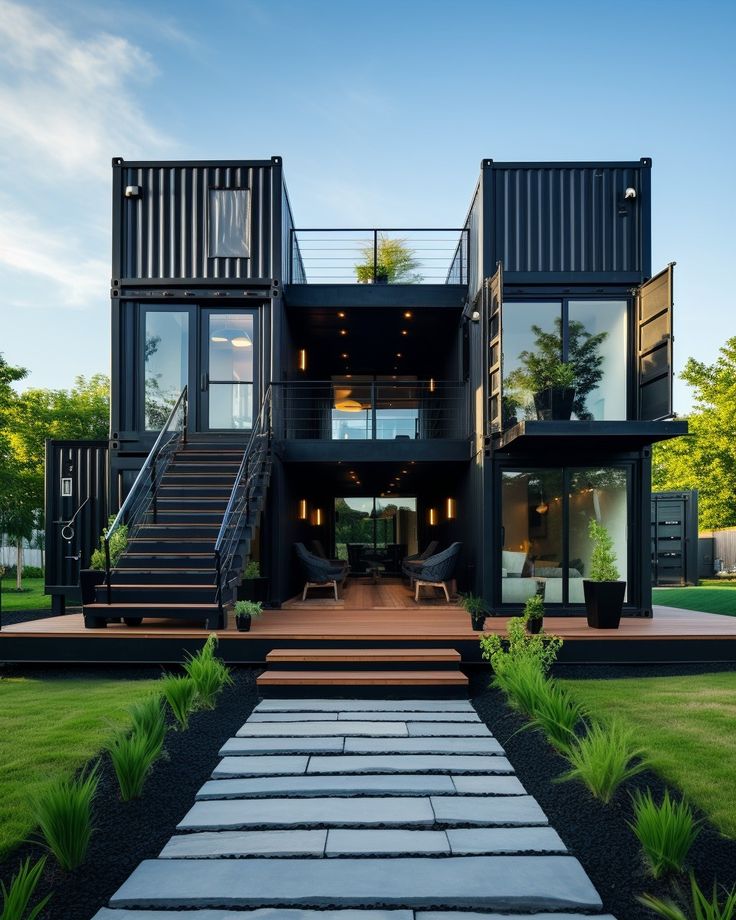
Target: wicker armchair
(410, 564)
(319, 573)
(437, 571)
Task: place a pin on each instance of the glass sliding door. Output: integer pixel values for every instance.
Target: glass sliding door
(165, 363)
(545, 515)
(375, 531)
(229, 364)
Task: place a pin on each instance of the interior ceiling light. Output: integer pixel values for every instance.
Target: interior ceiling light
(341, 315)
(348, 405)
(407, 314)
(344, 354)
(218, 338)
(241, 341)
(542, 507)
(343, 332)
(398, 354)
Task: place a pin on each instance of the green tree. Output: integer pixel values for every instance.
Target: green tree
(394, 261)
(706, 458)
(15, 519)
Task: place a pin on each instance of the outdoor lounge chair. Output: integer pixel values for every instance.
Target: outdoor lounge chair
(319, 550)
(319, 573)
(437, 571)
(410, 563)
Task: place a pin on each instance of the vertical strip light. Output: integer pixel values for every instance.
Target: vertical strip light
(451, 509)
(302, 359)
(432, 517)
(302, 509)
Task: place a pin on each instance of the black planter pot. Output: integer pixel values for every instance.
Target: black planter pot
(554, 404)
(534, 626)
(253, 589)
(604, 601)
(89, 579)
(242, 621)
(478, 621)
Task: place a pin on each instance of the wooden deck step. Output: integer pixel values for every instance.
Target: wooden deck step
(327, 655)
(275, 678)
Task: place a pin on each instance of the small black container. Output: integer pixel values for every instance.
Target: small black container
(604, 601)
(554, 404)
(242, 621)
(478, 621)
(89, 579)
(534, 626)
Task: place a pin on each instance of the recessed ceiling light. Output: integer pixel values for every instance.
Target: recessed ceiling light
(241, 341)
(398, 354)
(405, 471)
(343, 332)
(218, 338)
(405, 332)
(341, 315)
(407, 314)
(344, 354)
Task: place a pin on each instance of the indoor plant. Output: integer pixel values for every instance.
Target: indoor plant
(477, 608)
(604, 592)
(244, 612)
(254, 586)
(534, 613)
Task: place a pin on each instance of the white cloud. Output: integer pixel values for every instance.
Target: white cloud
(65, 101)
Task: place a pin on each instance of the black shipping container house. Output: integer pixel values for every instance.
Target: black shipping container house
(498, 384)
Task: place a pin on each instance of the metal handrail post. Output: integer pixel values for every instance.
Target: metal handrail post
(107, 570)
(373, 410)
(375, 255)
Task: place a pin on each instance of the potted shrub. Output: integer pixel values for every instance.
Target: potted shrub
(394, 263)
(477, 608)
(604, 591)
(554, 391)
(90, 578)
(244, 613)
(534, 611)
(253, 587)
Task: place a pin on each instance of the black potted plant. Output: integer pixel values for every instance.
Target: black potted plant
(477, 608)
(392, 261)
(554, 392)
(534, 612)
(254, 586)
(244, 613)
(604, 591)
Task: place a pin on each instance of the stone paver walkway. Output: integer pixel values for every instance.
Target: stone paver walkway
(361, 810)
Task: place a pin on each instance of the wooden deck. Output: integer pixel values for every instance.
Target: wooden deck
(672, 635)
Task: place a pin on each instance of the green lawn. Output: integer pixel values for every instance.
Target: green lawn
(686, 726)
(50, 728)
(31, 598)
(710, 598)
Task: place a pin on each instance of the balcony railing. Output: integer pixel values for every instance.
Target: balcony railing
(379, 256)
(369, 411)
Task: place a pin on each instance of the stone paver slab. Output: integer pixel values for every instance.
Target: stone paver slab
(486, 745)
(404, 716)
(488, 882)
(477, 915)
(461, 729)
(465, 842)
(282, 746)
(504, 810)
(321, 728)
(331, 705)
(238, 813)
(210, 845)
(386, 843)
(488, 785)
(409, 763)
(267, 913)
(301, 786)
(293, 717)
(261, 766)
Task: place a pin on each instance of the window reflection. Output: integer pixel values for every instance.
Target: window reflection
(166, 363)
(231, 361)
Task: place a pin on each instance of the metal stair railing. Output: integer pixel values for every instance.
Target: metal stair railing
(142, 497)
(242, 497)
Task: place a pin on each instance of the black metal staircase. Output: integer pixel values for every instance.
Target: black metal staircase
(191, 516)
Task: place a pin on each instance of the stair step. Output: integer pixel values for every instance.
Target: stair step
(165, 576)
(334, 655)
(155, 560)
(157, 593)
(275, 678)
(172, 544)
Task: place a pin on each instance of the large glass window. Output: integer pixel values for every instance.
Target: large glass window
(229, 223)
(564, 359)
(545, 517)
(372, 532)
(231, 362)
(166, 363)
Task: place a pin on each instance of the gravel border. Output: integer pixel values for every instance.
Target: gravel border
(597, 834)
(127, 832)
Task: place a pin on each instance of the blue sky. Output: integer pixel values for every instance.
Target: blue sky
(382, 112)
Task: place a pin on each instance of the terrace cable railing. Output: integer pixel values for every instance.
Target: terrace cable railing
(355, 409)
(379, 255)
(143, 496)
(243, 498)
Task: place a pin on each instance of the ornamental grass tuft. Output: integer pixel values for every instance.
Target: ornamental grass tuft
(132, 757)
(149, 721)
(700, 908)
(666, 831)
(63, 813)
(603, 759)
(17, 897)
(209, 673)
(557, 714)
(181, 695)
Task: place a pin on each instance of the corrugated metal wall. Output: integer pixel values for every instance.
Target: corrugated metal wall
(164, 232)
(570, 218)
(85, 464)
(724, 548)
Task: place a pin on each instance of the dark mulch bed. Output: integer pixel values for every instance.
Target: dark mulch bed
(127, 832)
(597, 834)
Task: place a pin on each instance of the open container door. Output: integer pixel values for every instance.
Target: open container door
(493, 310)
(654, 346)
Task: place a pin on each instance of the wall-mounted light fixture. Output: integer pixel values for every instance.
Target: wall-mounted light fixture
(432, 385)
(133, 191)
(451, 509)
(302, 359)
(432, 517)
(302, 509)
(317, 517)
(630, 194)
